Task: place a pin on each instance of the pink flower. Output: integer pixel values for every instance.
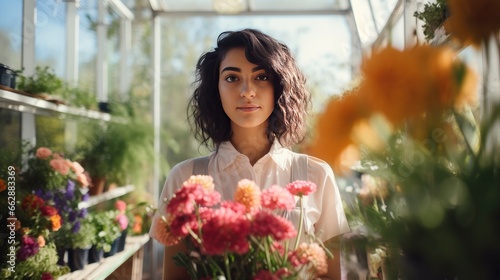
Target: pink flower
(164, 234)
(43, 153)
(181, 224)
(60, 166)
(83, 180)
(268, 224)
(277, 197)
(265, 275)
(76, 167)
(122, 220)
(248, 194)
(121, 206)
(311, 255)
(226, 231)
(301, 188)
(188, 196)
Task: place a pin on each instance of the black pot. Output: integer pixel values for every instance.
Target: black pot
(121, 240)
(77, 258)
(114, 248)
(7, 76)
(95, 255)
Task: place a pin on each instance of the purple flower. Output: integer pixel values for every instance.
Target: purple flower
(29, 247)
(85, 197)
(82, 213)
(72, 216)
(70, 190)
(76, 227)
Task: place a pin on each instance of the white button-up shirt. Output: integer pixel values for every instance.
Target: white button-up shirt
(324, 212)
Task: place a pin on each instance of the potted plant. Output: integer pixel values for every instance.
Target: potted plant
(118, 152)
(80, 243)
(107, 231)
(433, 17)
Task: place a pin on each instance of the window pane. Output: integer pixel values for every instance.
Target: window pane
(11, 15)
(87, 45)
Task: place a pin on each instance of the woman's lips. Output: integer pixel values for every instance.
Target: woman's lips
(248, 108)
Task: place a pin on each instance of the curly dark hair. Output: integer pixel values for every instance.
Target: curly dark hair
(287, 122)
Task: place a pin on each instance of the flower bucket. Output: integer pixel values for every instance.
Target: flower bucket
(77, 258)
(95, 255)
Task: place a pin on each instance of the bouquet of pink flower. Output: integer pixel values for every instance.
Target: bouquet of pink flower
(240, 239)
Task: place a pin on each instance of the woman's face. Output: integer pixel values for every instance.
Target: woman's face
(246, 91)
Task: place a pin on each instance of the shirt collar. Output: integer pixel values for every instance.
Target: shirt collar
(227, 154)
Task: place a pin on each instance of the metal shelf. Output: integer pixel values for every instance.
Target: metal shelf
(23, 103)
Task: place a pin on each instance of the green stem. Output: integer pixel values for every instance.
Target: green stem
(301, 223)
(228, 270)
(268, 257)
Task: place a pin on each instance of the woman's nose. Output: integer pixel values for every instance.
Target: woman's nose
(247, 90)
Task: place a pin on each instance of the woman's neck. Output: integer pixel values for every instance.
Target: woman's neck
(254, 144)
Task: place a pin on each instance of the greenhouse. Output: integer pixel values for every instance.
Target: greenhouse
(249, 139)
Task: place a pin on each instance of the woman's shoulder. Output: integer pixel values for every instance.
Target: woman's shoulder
(316, 166)
(185, 167)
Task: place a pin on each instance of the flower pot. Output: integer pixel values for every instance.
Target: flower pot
(97, 185)
(121, 240)
(77, 258)
(95, 254)
(7, 76)
(61, 251)
(114, 248)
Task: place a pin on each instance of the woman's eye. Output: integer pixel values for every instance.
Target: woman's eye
(262, 77)
(231, 78)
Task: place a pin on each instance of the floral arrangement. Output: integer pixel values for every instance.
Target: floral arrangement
(240, 239)
(106, 229)
(415, 124)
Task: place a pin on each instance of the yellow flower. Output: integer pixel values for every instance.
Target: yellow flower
(248, 194)
(206, 181)
(472, 22)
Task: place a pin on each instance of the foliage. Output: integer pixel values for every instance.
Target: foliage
(106, 229)
(43, 81)
(79, 97)
(433, 16)
(84, 237)
(41, 266)
(420, 135)
(242, 239)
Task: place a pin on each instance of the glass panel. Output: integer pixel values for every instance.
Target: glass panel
(261, 5)
(11, 15)
(50, 35)
(113, 55)
(87, 43)
(382, 9)
(50, 132)
(10, 126)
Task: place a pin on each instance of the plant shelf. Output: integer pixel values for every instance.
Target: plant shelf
(110, 265)
(114, 193)
(17, 101)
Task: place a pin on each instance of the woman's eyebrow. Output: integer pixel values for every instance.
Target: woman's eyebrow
(236, 69)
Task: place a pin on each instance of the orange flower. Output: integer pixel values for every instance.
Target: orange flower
(409, 83)
(137, 226)
(56, 222)
(333, 128)
(248, 194)
(472, 22)
(3, 186)
(163, 233)
(206, 181)
(43, 153)
(41, 241)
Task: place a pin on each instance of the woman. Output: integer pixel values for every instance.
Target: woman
(251, 104)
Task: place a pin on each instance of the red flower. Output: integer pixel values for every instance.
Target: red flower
(227, 230)
(47, 276)
(277, 197)
(32, 202)
(301, 188)
(181, 224)
(186, 197)
(48, 210)
(265, 275)
(268, 224)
